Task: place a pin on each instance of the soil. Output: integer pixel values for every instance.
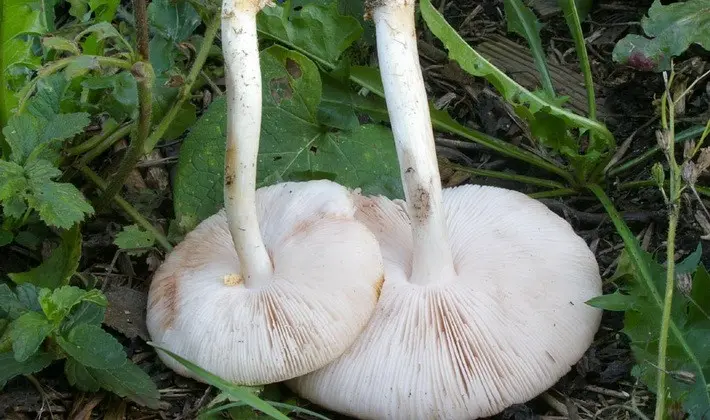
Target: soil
(599, 386)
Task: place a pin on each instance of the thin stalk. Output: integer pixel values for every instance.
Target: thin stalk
(128, 208)
(540, 182)
(683, 136)
(408, 107)
(243, 81)
(142, 70)
(186, 89)
(93, 141)
(106, 143)
(575, 26)
(562, 192)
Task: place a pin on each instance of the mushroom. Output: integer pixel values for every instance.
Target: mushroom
(282, 280)
(483, 304)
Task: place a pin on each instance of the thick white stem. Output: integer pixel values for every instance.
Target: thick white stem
(243, 80)
(411, 125)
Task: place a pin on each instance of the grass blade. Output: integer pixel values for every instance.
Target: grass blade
(234, 391)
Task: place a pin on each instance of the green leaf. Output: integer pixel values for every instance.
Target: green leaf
(294, 146)
(60, 44)
(520, 98)
(175, 20)
(235, 392)
(9, 367)
(10, 305)
(27, 333)
(19, 17)
(104, 10)
(671, 29)
(523, 22)
(57, 304)
(6, 237)
(128, 381)
(79, 376)
(28, 295)
(613, 302)
(78, 8)
(84, 313)
(123, 98)
(689, 332)
(104, 31)
(56, 270)
(133, 237)
(321, 30)
(93, 347)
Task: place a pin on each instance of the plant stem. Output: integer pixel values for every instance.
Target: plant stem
(408, 108)
(143, 72)
(243, 80)
(553, 193)
(128, 208)
(185, 90)
(106, 143)
(540, 182)
(93, 141)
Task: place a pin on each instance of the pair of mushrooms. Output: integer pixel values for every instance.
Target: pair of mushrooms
(482, 304)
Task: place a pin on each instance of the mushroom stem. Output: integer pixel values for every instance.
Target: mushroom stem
(243, 82)
(408, 109)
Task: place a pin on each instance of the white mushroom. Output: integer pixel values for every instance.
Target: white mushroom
(284, 279)
(483, 304)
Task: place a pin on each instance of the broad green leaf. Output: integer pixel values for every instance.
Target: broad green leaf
(128, 381)
(79, 376)
(523, 22)
(235, 392)
(319, 29)
(175, 20)
(78, 8)
(17, 18)
(9, 367)
(84, 313)
(133, 237)
(56, 270)
(122, 100)
(10, 305)
(520, 98)
(93, 347)
(6, 237)
(103, 31)
(671, 29)
(56, 304)
(294, 146)
(104, 10)
(28, 295)
(39, 130)
(27, 333)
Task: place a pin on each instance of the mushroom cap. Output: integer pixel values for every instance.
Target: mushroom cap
(327, 276)
(510, 323)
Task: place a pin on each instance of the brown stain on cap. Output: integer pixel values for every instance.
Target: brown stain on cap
(165, 293)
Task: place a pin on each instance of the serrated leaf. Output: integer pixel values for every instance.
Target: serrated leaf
(84, 313)
(671, 29)
(133, 237)
(239, 393)
(56, 270)
(56, 304)
(9, 367)
(27, 333)
(79, 376)
(175, 20)
(519, 97)
(522, 20)
(129, 381)
(93, 347)
(294, 146)
(320, 29)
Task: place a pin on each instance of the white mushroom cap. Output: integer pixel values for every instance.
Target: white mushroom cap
(509, 324)
(327, 274)
(483, 304)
